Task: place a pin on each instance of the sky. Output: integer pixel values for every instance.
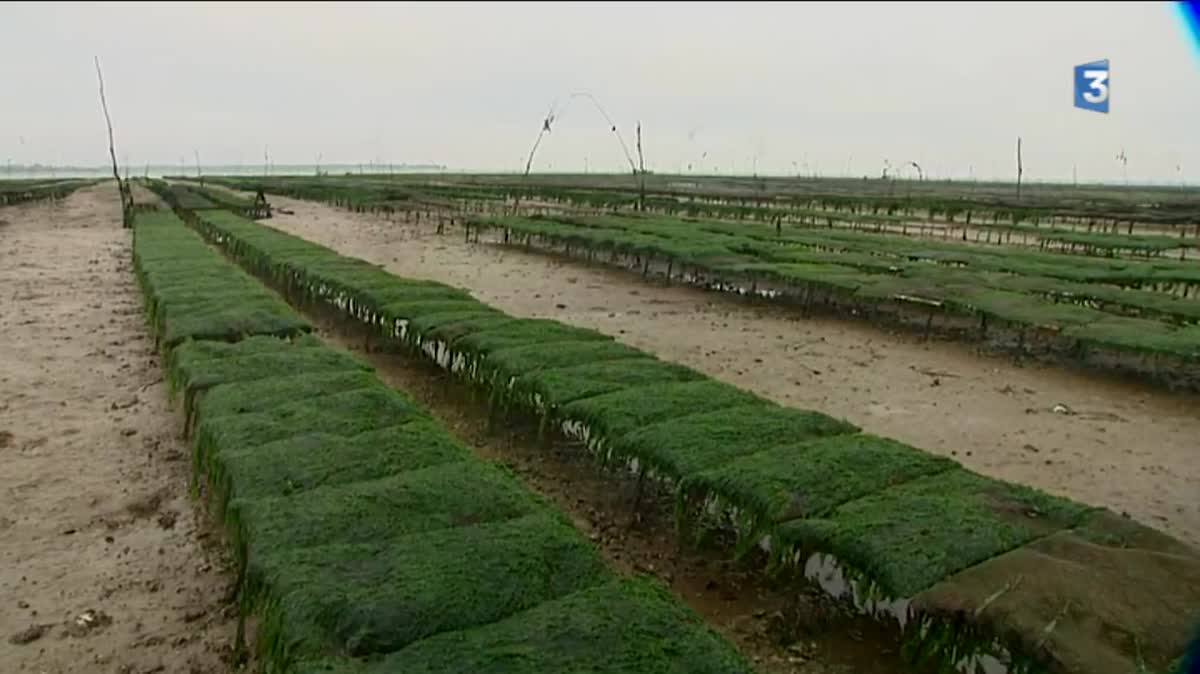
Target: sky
(831, 89)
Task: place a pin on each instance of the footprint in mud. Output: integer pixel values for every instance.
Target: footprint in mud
(29, 634)
(166, 520)
(84, 624)
(6, 439)
(145, 506)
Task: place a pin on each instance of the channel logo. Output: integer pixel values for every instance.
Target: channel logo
(1091, 86)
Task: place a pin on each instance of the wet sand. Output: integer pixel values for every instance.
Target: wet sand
(106, 564)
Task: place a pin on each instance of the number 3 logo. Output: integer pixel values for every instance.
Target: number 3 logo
(1098, 80)
(1092, 86)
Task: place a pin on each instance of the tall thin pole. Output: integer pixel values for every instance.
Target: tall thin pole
(1020, 168)
(112, 152)
(545, 129)
(641, 170)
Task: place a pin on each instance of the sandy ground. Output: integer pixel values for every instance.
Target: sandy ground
(1122, 445)
(105, 565)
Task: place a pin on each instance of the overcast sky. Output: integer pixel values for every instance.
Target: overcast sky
(807, 87)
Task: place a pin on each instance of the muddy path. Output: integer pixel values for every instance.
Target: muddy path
(1112, 443)
(105, 565)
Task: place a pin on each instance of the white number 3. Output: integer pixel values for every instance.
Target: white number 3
(1098, 81)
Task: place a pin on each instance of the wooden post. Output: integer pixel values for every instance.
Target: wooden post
(641, 171)
(122, 188)
(637, 497)
(1020, 168)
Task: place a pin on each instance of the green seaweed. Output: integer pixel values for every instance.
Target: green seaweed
(520, 361)
(197, 350)
(258, 395)
(631, 625)
(523, 332)
(424, 305)
(685, 445)
(449, 326)
(345, 414)
(328, 666)
(612, 415)
(300, 463)
(559, 386)
(437, 497)
(194, 376)
(193, 293)
(379, 597)
(811, 478)
(910, 536)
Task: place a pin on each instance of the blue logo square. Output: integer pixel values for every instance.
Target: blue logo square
(1091, 86)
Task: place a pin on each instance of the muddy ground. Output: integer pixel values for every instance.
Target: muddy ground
(1114, 443)
(106, 565)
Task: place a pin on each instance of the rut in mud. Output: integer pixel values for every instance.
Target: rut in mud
(783, 626)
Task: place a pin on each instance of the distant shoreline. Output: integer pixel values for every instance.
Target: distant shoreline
(157, 170)
(39, 171)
